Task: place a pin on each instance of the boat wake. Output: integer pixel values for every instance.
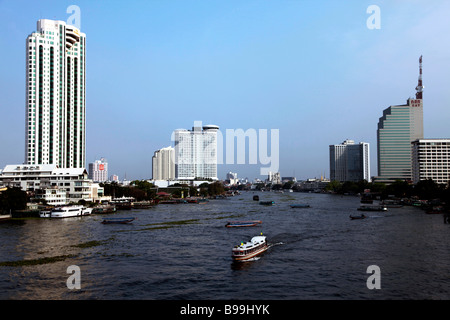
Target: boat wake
(275, 244)
(253, 259)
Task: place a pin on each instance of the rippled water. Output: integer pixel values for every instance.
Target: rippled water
(184, 252)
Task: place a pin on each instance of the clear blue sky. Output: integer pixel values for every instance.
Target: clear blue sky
(311, 69)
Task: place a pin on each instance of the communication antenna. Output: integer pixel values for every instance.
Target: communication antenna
(420, 86)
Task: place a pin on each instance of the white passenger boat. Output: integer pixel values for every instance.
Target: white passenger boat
(250, 249)
(66, 212)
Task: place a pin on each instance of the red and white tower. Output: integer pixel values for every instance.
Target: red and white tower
(420, 87)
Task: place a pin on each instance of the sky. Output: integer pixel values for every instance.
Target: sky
(313, 70)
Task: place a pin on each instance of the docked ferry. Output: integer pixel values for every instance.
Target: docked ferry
(249, 249)
(66, 212)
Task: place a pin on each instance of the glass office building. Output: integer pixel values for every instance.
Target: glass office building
(350, 161)
(397, 128)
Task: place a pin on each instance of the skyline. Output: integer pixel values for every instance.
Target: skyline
(312, 70)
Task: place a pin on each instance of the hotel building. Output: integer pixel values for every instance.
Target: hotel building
(48, 179)
(55, 95)
(163, 164)
(397, 128)
(350, 161)
(196, 152)
(431, 160)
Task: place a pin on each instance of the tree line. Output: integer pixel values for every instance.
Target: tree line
(424, 189)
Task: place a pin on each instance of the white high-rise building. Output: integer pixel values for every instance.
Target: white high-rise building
(274, 177)
(98, 170)
(196, 152)
(163, 164)
(350, 161)
(55, 95)
(431, 160)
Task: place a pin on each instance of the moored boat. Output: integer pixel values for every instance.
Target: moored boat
(435, 210)
(5, 217)
(45, 213)
(86, 211)
(141, 204)
(123, 203)
(123, 206)
(249, 249)
(106, 208)
(67, 212)
(174, 201)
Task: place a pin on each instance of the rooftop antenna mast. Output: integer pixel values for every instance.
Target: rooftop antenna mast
(420, 87)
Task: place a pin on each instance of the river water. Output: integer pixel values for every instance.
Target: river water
(183, 251)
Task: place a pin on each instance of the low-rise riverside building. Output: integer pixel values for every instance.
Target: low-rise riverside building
(42, 179)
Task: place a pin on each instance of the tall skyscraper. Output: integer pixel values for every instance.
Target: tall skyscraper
(397, 128)
(98, 170)
(55, 95)
(163, 164)
(196, 152)
(350, 161)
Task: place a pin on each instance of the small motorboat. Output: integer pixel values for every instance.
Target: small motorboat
(267, 203)
(118, 220)
(249, 249)
(372, 208)
(237, 224)
(357, 217)
(256, 198)
(299, 205)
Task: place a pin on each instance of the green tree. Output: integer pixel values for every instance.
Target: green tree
(399, 188)
(334, 186)
(12, 199)
(427, 190)
(215, 188)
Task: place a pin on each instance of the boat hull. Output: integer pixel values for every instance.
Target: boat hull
(250, 255)
(237, 224)
(301, 206)
(117, 220)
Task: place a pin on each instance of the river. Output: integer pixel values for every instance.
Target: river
(183, 252)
